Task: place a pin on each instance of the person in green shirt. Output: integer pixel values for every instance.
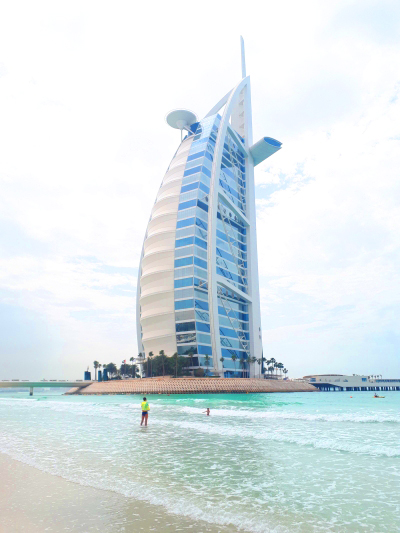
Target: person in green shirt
(145, 412)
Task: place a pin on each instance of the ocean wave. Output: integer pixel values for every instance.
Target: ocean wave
(345, 417)
(120, 411)
(15, 400)
(289, 438)
(76, 408)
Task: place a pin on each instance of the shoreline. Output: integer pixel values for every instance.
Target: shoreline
(249, 466)
(34, 501)
(190, 385)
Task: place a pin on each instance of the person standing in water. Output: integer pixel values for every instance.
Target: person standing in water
(208, 411)
(145, 412)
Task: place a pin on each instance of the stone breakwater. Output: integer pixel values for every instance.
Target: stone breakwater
(192, 386)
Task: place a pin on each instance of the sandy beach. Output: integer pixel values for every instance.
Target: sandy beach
(33, 501)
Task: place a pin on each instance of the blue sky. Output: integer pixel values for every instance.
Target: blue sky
(84, 89)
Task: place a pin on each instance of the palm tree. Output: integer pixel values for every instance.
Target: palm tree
(234, 357)
(111, 368)
(259, 361)
(252, 361)
(190, 355)
(151, 369)
(281, 366)
(175, 357)
(222, 359)
(285, 371)
(207, 361)
(162, 354)
(270, 369)
(132, 359)
(242, 361)
(96, 366)
(262, 363)
(272, 362)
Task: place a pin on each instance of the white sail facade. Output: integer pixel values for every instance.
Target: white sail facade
(198, 290)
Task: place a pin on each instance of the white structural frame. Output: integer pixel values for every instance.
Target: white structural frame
(238, 102)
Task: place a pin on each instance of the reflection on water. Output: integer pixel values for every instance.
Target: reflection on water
(303, 462)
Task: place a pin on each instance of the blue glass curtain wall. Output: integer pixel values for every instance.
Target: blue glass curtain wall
(191, 242)
(191, 254)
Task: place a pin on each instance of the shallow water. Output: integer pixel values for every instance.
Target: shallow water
(302, 462)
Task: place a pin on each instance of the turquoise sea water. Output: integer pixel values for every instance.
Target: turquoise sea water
(304, 462)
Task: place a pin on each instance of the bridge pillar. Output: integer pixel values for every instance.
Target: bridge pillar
(31, 391)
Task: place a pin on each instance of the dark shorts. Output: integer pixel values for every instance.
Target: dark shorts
(145, 413)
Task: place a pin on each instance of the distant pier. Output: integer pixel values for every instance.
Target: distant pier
(356, 382)
(26, 384)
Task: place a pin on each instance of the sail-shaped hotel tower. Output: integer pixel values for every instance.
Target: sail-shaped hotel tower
(198, 290)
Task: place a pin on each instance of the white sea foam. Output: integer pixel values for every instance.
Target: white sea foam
(118, 410)
(287, 415)
(14, 400)
(317, 441)
(142, 492)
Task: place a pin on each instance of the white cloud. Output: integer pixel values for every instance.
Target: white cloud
(331, 240)
(84, 89)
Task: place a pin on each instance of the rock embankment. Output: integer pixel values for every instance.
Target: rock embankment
(192, 386)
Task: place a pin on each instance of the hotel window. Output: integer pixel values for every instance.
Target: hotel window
(185, 326)
(185, 350)
(186, 337)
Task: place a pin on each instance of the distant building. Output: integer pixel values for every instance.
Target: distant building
(332, 382)
(198, 290)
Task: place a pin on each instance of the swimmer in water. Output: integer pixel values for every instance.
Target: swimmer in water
(208, 411)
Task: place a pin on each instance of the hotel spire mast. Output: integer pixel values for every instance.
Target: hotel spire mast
(243, 57)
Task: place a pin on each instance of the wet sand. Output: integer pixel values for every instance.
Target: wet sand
(32, 501)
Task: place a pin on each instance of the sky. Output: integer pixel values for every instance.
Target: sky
(84, 90)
